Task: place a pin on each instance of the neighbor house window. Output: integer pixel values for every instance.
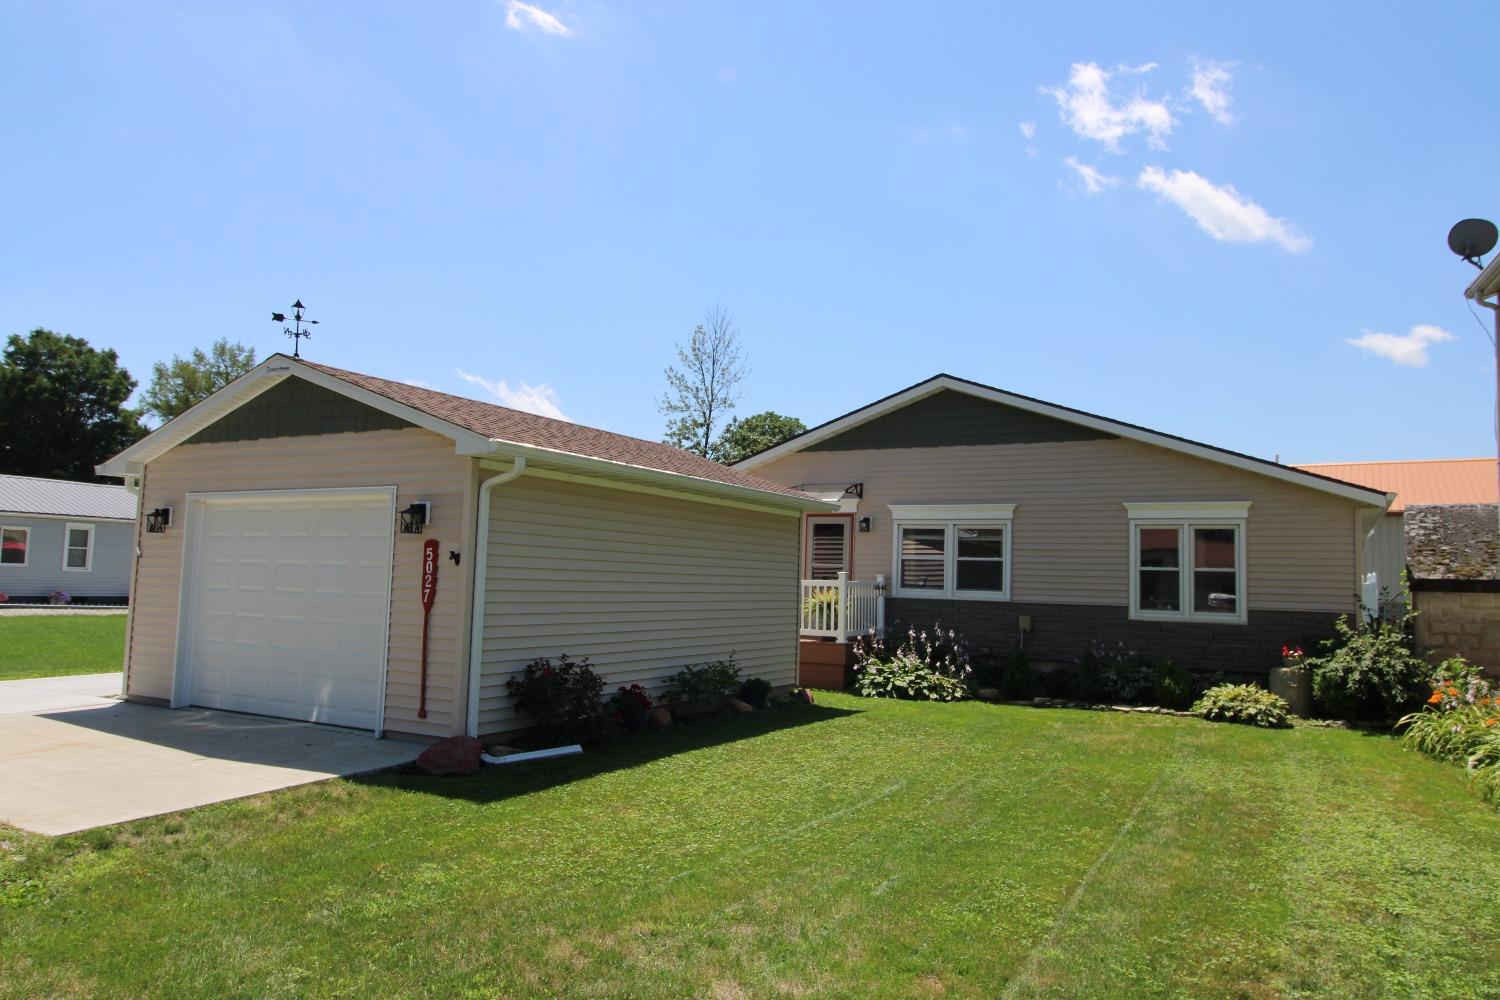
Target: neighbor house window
(78, 552)
(14, 543)
(958, 551)
(1187, 560)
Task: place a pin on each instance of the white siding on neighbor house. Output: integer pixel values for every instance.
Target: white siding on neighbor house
(108, 575)
(1385, 555)
(640, 584)
(420, 464)
(1071, 541)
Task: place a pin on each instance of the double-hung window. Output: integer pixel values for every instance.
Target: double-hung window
(14, 544)
(78, 548)
(1187, 561)
(956, 551)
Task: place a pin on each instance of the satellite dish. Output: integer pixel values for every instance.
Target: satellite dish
(1472, 239)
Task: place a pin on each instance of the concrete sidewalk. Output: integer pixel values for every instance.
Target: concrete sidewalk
(77, 760)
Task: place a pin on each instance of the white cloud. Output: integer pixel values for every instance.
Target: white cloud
(1088, 108)
(1408, 349)
(1211, 89)
(1222, 212)
(1094, 181)
(538, 399)
(527, 17)
(1028, 130)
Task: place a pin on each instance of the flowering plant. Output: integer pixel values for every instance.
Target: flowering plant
(562, 695)
(925, 666)
(1293, 653)
(59, 597)
(631, 699)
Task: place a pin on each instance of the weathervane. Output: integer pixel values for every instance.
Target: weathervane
(295, 331)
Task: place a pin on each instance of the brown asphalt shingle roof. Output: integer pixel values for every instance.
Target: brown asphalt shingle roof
(516, 426)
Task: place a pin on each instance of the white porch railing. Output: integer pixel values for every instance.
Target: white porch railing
(842, 608)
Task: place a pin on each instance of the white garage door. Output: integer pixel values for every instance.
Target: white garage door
(286, 613)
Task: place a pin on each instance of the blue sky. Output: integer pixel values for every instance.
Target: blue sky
(1180, 218)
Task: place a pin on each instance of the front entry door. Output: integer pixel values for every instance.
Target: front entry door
(827, 547)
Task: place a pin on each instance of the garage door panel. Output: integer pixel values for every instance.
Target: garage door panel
(290, 608)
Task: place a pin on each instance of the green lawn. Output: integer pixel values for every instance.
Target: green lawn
(51, 645)
(855, 849)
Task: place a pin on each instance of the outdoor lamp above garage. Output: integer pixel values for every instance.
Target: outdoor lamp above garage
(158, 519)
(415, 518)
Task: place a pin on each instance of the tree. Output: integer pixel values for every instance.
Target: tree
(746, 436)
(62, 406)
(179, 384)
(707, 385)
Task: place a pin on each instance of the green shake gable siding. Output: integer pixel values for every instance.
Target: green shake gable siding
(296, 408)
(948, 419)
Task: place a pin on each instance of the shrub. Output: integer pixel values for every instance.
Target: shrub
(704, 685)
(926, 666)
(630, 706)
(1243, 703)
(562, 696)
(1172, 685)
(755, 691)
(1368, 671)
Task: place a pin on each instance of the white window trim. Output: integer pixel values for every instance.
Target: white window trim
(1185, 517)
(24, 562)
(949, 517)
(88, 556)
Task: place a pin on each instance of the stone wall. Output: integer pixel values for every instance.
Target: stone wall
(1063, 632)
(1466, 623)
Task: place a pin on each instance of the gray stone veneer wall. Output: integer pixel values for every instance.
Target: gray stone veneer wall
(1063, 632)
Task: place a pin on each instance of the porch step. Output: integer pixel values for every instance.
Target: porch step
(823, 664)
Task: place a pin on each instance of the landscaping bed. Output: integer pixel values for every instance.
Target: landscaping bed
(853, 848)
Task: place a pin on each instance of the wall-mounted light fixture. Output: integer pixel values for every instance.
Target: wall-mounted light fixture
(416, 517)
(864, 525)
(158, 519)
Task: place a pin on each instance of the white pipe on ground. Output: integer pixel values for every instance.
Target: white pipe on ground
(516, 758)
(481, 565)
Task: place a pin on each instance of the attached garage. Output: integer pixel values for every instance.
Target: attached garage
(311, 543)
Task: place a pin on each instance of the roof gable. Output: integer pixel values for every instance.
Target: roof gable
(949, 418)
(1111, 428)
(297, 408)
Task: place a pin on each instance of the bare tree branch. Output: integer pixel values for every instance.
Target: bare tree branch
(705, 384)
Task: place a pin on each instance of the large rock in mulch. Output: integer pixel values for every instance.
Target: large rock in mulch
(451, 755)
(742, 707)
(660, 718)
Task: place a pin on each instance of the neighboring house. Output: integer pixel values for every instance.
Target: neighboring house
(1021, 522)
(62, 536)
(1453, 558)
(1426, 481)
(286, 581)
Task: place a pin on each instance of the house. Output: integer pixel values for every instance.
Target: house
(58, 536)
(1027, 524)
(324, 545)
(1428, 481)
(1453, 560)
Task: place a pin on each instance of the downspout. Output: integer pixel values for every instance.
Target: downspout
(481, 565)
(1495, 308)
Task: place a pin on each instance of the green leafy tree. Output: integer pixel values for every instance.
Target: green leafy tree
(746, 436)
(181, 383)
(62, 406)
(705, 383)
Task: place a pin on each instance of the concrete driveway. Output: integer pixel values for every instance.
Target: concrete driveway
(73, 757)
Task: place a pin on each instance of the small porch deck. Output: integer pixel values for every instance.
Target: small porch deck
(833, 612)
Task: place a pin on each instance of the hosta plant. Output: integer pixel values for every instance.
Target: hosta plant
(925, 666)
(1242, 703)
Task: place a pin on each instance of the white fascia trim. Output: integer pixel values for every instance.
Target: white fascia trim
(1205, 510)
(67, 517)
(952, 511)
(1488, 281)
(1103, 424)
(663, 479)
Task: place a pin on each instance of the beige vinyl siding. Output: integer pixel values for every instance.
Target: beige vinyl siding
(420, 464)
(640, 584)
(1071, 541)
